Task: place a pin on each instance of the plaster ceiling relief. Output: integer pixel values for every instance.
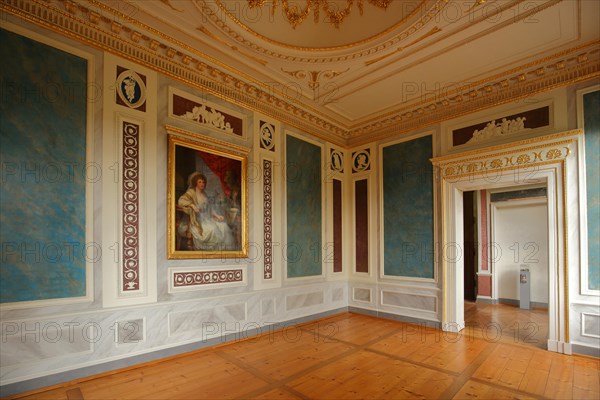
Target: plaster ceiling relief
(266, 26)
(317, 25)
(393, 68)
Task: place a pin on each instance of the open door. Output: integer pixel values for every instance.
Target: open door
(470, 246)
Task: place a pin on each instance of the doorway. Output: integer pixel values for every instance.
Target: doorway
(516, 308)
(549, 161)
(458, 263)
(470, 245)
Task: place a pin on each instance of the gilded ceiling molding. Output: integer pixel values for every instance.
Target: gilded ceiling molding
(168, 3)
(538, 67)
(154, 44)
(295, 15)
(232, 47)
(560, 69)
(431, 32)
(476, 4)
(496, 11)
(167, 56)
(425, 17)
(314, 76)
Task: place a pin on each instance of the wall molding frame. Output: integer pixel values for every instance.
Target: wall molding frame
(584, 284)
(128, 192)
(90, 183)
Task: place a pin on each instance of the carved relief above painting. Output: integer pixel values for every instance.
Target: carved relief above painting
(202, 112)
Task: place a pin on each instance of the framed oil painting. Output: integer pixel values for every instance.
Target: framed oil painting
(207, 200)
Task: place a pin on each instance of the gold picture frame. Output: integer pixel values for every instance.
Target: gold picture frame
(207, 198)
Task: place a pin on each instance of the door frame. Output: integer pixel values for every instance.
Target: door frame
(549, 160)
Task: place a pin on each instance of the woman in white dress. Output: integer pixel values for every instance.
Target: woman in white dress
(207, 228)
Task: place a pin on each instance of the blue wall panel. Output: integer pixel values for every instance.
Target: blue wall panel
(591, 109)
(42, 151)
(408, 209)
(304, 214)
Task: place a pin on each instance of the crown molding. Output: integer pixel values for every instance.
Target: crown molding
(562, 68)
(102, 27)
(148, 47)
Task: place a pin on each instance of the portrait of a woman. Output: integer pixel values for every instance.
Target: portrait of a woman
(202, 225)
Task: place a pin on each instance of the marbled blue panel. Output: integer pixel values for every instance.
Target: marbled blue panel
(591, 110)
(408, 209)
(303, 183)
(42, 152)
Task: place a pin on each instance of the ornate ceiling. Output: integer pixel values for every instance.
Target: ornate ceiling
(307, 25)
(348, 71)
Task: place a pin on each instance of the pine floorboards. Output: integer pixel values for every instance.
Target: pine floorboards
(352, 356)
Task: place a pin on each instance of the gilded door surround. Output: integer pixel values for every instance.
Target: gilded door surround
(552, 160)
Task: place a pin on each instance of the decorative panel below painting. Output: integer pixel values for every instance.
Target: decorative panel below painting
(202, 278)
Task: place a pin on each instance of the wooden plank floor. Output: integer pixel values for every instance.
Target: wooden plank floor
(351, 356)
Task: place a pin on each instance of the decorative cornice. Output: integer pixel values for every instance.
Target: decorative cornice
(208, 33)
(408, 50)
(560, 69)
(175, 60)
(431, 32)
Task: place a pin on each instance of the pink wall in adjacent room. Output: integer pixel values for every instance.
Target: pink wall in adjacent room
(484, 285)
(483, 228)
(484, 282)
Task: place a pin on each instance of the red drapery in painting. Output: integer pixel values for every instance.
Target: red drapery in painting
(227, 169)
